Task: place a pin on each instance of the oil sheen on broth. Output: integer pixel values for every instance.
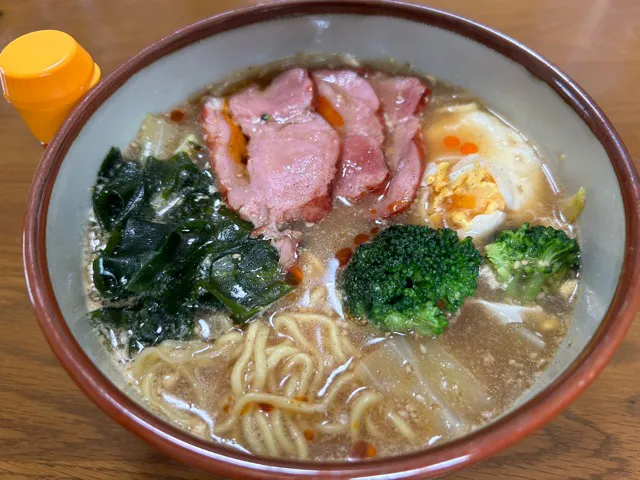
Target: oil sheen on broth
(301, 380)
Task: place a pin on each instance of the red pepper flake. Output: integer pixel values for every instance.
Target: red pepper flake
(373, 211)
(451, 141)
(397, 206)
(295, 276)
(329, 113)
(237, 146)
(309, 435)
(302, 398)
(468, 148)
(344, 255)
(374, 230)
(176, 115)
(362, 449)
(360, 239)
(246, 409)
(266, 407)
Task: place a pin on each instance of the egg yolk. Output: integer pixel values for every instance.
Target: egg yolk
(455, 202)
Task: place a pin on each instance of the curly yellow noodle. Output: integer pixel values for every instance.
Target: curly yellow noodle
(331, 428)
(301, 443)
(363, 402)
(289, 365)
(236, 373)
(260, 360)
(328, 323)
(278, 353)
(318, 379)
(291, 387)
(372, 428)
(292, 328)
(251, 435)
(267, 435)
(306, 363)
(281, 434)
(401, 425)
(272, 385)
(333, 391)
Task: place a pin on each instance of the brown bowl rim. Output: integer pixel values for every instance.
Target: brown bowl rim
(424, 464)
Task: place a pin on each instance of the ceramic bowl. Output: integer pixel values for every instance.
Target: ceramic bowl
(579, 142)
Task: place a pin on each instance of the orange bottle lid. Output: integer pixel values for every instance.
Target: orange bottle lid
(43, 76)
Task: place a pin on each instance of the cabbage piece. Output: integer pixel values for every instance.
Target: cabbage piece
(450, 394)
(514, 317)
(190, 145)
(508, 313)
(330, 281)
(158, 137)
(571, 207)
(455, 380)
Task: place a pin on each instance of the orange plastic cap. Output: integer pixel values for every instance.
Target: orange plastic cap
(43, 75)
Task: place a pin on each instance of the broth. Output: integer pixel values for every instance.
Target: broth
(303, 380)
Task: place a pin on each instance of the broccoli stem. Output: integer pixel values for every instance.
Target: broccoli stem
(527, 288)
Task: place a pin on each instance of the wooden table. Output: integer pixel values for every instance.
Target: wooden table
(49, 430)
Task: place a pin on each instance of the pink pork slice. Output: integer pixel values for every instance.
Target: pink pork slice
(362, 167)
(292, 152)
(401, 97)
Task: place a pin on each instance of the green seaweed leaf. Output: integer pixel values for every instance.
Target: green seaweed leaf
(174, 248)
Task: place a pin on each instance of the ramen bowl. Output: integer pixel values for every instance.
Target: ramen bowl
(580, 145)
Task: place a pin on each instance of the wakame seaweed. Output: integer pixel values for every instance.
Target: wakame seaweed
(174, 249)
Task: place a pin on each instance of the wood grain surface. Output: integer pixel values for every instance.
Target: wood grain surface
(49, 430)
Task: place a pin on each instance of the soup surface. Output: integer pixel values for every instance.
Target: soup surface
(222, 236)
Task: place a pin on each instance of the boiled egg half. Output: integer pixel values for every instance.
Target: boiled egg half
(479, 170)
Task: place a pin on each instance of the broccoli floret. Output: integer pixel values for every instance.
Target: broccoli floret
(532, 258)
(409, 277)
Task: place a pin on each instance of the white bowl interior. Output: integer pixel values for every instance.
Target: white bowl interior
(506, 86)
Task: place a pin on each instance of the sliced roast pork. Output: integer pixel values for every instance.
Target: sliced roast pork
(285, 171)
(401, 98)
(349, 103)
